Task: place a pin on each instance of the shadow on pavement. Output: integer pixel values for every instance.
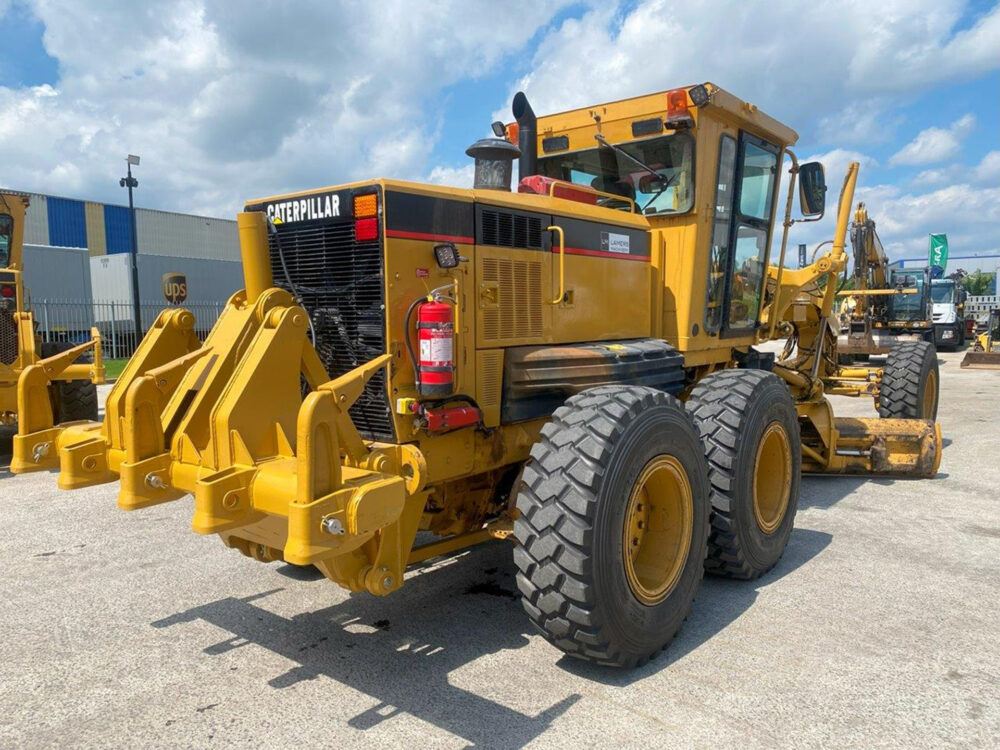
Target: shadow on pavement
(401, 649)
(719, 602)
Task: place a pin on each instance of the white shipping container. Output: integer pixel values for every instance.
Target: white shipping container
(209, 283)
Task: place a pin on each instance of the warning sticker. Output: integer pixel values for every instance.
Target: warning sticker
(436, 350)
(614, 243)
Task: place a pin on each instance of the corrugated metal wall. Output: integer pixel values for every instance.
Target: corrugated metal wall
(36, 223)
(180, 235)
(117, 230)
(96, 243)
(67, 223)
(106, 230)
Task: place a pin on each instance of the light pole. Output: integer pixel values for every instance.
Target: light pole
(130, 182)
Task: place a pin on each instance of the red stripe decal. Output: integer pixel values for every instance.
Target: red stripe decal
(600, 253)
(400, 234)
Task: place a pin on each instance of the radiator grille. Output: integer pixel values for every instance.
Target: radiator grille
(340, 283)
(518, 313)
(8, 338)
(511, 230)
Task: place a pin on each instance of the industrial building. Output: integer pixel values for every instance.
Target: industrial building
(105, 229)
(62, 233)
(77, 263)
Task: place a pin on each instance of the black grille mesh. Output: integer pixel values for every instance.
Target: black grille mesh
(8, 337)
(503, 229)
(339, 282)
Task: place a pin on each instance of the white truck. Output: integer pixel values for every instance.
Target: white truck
(948, 301)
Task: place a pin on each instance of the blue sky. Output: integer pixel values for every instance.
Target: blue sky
(224, 105)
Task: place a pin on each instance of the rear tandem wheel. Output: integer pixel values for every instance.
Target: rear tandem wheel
(613, 524)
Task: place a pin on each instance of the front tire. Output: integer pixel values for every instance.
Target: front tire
(750, 428)
(613, 523)
(910, 379)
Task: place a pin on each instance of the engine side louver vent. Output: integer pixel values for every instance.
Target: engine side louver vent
(518, 312)
(505, 229)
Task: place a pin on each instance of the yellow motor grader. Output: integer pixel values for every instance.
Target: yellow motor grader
(571, 366)
(68, 389)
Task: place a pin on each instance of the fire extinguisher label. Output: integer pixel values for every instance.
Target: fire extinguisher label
(436, 350)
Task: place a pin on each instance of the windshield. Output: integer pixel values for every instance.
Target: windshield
(907, 306)
(6, 230)
(671, 157)
(943, 293)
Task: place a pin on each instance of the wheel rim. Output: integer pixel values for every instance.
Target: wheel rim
(772, 478)
(930, 396)
(659, 523)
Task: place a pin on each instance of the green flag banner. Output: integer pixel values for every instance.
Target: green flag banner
(939, 250)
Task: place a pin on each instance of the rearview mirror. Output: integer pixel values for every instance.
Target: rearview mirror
(812, 189)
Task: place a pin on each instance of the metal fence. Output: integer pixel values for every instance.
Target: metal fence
(71, 320)
(979, 307)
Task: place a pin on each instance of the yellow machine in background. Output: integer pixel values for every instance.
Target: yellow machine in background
(985, 351)
(886, 308)
(571, 365)
(59, 390)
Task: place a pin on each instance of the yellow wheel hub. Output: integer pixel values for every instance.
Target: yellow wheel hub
(772, 478)
(659, 524)
(930, 396)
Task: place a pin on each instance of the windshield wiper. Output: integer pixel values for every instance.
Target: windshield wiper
(614, 147)
(659, 177)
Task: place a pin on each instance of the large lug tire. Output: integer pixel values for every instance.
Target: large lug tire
(613, 524)
(72, 400)
(910, 381)
(750, 428)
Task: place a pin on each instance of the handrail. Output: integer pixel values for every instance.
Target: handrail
(562, 262)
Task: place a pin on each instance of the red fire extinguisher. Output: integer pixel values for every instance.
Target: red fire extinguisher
(436, 340)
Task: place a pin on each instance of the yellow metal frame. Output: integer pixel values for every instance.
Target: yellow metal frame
(36, 372)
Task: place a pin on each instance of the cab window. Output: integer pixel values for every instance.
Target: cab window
(745, 188)
(719, 252)
(6, 230)
(663, 186)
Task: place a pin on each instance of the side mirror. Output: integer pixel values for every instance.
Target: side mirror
(650, 184)
(812, 189)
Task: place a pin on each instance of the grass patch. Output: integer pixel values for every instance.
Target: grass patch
(113, 368)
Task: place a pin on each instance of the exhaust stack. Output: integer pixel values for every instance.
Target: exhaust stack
(527, 138)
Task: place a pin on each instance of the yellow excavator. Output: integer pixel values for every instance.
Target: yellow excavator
(63, 384)
(884, 308)
(572, 366)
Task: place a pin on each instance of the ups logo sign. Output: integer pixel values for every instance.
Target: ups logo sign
(175, 287)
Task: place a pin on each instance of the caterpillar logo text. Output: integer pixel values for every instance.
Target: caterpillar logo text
(305, 209)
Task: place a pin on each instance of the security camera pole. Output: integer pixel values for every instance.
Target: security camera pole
(130, 182)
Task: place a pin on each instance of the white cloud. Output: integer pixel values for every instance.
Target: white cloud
(224, 105)
(935, 144)
(869, 120)
(988, 170)
(827, 62)
(453, 176)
